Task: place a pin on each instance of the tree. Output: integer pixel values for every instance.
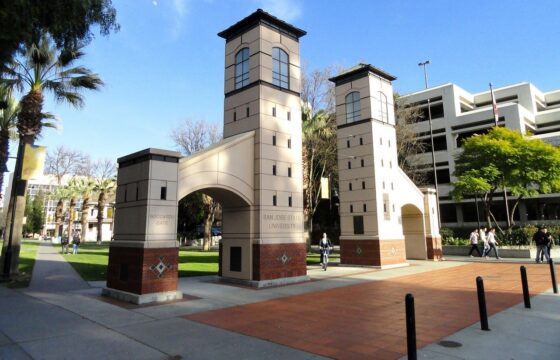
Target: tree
(41, 68)
(69, 22)
(407, 140)
(319, 159)
(35, 214)
(504, 158)
(8, 117)
(104, 169)
(190, 137)
(104, 188)
(60, 194)
(84, 187)
(62, 161)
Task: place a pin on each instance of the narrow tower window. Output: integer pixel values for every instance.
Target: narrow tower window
(353, 107)
(280, 68)
(242, 68)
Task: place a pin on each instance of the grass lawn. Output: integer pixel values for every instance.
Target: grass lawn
(91, 262)
(27, 255)
(315, 258)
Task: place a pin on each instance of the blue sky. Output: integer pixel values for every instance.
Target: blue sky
(166, 63)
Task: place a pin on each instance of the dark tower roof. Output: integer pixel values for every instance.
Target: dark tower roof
(358, 71)
(261, 17)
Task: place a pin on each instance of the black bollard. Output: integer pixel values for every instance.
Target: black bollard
(525, 285)
(410, 327)
(553, 275)
(482, 304)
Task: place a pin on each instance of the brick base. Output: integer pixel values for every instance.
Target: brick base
(434, 247)
(372, 252)
(276, 261)
(136, 270)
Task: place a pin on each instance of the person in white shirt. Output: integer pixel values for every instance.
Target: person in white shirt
(492, 242)
(482, 237)
(474, 243)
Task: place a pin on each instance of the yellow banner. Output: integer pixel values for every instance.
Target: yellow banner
(325, 193)
(33, 161)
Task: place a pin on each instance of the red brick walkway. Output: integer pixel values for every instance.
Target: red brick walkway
(367, 320)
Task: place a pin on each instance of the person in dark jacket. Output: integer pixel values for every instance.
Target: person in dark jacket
(541, 240)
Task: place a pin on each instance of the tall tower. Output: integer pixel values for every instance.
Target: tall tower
(262, 95)
(369, 177)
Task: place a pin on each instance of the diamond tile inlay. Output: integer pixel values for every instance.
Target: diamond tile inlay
(160, 267)
(359, 250)
(284, 258)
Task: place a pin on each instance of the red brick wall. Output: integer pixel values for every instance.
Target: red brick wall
(142, 278)
(434, 248)
(276, 261)
(372, 252)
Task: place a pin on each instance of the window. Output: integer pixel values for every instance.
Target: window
(289, 143)
(289, 172)
(363, 185)
(361, 141)
(242, 68)
(365, 208)
(289, 201)
(351, 208)
(380, 141)
(386, 203)
(273, 169)
(390, 164)
(273, 200)
(350, 186)
(280, 72)
(163, 193)
(383, 108)
(353, 107)
(274, 140)
(247, 112)
(289, 116)
(235, 116)
(389, 142)
(235, 258)
(348, 143)
(362, 162)
(358, 225)
(349, 165)
(274, 111)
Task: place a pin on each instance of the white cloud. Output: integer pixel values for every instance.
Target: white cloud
(287, 10)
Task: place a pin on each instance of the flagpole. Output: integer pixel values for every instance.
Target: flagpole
(496, 115)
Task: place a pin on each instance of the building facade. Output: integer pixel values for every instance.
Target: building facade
(46, 185)
(458, 114)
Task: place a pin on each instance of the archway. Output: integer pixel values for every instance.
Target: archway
(235, 245)
(414, 232)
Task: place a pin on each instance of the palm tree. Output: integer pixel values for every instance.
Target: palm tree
(42, 68)
(8, 116)
(84, 187)
(61, 194)
(105, 188)
(73, 192)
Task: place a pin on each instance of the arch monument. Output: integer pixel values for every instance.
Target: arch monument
(255, 172)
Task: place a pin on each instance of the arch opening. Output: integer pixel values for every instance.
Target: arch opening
(233, 235)
(414, 232)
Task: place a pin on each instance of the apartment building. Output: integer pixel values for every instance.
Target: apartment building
(458, 114)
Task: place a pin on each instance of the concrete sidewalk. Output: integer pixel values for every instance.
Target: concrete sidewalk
(67, 320)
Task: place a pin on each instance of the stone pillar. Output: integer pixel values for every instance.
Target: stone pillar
(434, 249)
(144, 254)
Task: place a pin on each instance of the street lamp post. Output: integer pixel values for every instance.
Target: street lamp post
(423, 65)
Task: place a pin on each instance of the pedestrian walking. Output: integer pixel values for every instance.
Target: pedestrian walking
(64, 242)
(474, 243)
(541, 239)
(484, 239)
(76, 242)
(492, 242)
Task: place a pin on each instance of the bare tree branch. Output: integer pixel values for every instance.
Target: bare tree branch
(62, 161)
